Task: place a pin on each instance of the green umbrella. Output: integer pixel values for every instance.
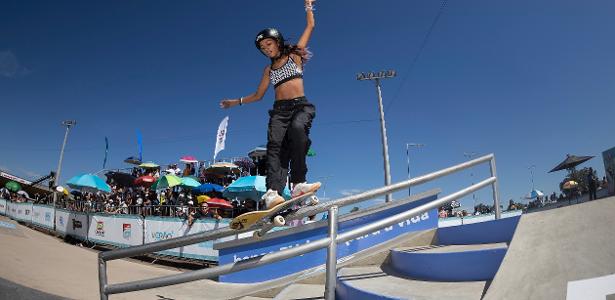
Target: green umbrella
(166, 181)
(12, 186)
(189, 182)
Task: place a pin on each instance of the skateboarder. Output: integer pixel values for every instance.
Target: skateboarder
(290, 119)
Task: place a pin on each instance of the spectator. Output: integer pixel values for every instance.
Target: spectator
(203, 212)
(591, 184)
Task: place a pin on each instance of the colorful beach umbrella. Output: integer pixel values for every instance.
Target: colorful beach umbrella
(534, 194)
(218, 203)
(133, 160)
(121, 179)
(166, 181)
(12, 186)
(253, 187)
(222, 168)
(189, 182)
(89, 182)
(570, 185)
(145, 180)
(148, 165)
(207, 187)
(245, 163)
(189, 159)
(202, 198)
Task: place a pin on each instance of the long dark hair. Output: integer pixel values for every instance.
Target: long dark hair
(289, 49)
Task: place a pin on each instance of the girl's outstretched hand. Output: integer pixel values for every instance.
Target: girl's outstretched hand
(226, 103)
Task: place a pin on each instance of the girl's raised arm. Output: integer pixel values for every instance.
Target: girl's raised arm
(258, 95)
(305, 37)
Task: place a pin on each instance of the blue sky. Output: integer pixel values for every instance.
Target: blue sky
(527, 80)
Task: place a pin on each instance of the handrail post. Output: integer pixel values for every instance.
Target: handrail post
(331, 256)
(496, 193)
(102, 277)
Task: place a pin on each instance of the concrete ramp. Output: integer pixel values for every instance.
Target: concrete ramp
(552, 248)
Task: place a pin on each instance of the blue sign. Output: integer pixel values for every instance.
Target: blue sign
(239, 253)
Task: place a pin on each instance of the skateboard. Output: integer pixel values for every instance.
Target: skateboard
(274, 215)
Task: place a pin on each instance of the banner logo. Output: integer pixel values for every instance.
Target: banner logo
(61, 220)
(100, 228)
(47, 217)
(126, 232)
(162, 235)
(77, 224)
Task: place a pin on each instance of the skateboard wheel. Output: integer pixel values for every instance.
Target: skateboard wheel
(257, 234)
(279, 221)
(313, 200)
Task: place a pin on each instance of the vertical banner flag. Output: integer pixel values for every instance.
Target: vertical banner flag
(106, 152)
(140, 143)
(221, 136)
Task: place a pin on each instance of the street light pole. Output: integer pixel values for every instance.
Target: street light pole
(408, 145)
(385, 148)
(68, 124)
(531, 168)
(324, 186)
(470, 155)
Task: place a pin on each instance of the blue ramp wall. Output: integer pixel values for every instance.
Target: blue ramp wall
(497, 231)
(252, 251)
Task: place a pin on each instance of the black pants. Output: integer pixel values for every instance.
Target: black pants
(288, 141)
(592, 194)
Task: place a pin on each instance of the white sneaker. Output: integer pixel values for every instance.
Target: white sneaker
(272, 198)
(304, 188)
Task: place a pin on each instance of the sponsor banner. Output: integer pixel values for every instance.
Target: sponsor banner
(20, 211)
(70, 223)
(3, 207)
(43, 216)
(15, 178)
(345, 250)
(157, 229)
(116, 230)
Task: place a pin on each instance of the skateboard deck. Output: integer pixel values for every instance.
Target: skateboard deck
(272, 215)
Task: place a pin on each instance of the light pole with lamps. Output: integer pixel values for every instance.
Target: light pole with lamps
(376, 76)
(470, 155)
(324, 186)
(531, 168)
(68, 124)
(408, 145)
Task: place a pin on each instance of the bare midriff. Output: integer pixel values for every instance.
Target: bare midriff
(289, 90)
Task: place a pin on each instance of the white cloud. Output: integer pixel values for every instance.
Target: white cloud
(10, 66)
(349, 192)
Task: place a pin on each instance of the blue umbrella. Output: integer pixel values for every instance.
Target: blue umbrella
(89, 182)
(207, 187)
(252, 187)
(534, 194)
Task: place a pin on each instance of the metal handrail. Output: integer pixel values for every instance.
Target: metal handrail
(295, 251)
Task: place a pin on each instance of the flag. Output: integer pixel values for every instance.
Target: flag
(106, 152)
(221, 136)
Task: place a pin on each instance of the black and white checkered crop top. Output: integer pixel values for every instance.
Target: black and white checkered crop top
(288, 71)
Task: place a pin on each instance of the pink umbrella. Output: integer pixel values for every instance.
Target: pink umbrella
(188, 159)
(218, 203)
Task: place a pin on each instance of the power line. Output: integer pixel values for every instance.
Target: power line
(418, 54)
